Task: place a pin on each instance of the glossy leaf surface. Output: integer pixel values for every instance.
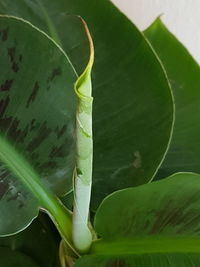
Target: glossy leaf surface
(184, 76)
(132, 101)
(156, 223)
(37, 111)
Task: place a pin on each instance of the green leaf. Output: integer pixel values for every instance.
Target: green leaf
(37, 114)
(39, 241)
(133, 109)
(172, 260)
(184, 76)
(157, 223)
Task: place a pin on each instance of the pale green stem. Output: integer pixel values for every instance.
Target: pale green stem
(81, 234)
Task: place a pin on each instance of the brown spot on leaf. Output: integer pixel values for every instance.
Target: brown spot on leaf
(43, 133)
(163, 217)
(33, 94)
(6, 85)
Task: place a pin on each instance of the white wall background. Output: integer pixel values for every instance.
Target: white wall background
(182, 17)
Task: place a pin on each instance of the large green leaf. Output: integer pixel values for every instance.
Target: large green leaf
(37, 101)
(156, 224)
(37, 114)
(133, 110)
(184, 76)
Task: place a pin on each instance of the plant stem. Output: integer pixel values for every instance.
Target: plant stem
(81, 234)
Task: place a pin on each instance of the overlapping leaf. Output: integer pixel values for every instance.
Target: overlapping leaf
(151, 225)
(37, 112)
(133, 110)
(184, 76)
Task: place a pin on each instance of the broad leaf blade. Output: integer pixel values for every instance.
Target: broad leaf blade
(37, 115)
(168, 207)
(38, 102)
(184, 76)
(157, 222)
(133, 110)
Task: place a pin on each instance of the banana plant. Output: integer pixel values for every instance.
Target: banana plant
(98, 139)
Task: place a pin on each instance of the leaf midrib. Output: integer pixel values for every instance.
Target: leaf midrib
(151, 245)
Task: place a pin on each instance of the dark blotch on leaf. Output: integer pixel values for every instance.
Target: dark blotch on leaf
(11, 126)
(61, 131)
(55, 72)
(23, 134)
(15, 67)
(11, 54)
(43, 133)
(3, 188)
(33, 95)
(33, 125)
(3, 106)
(58, 152)
(6, 85)
(4, 34)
